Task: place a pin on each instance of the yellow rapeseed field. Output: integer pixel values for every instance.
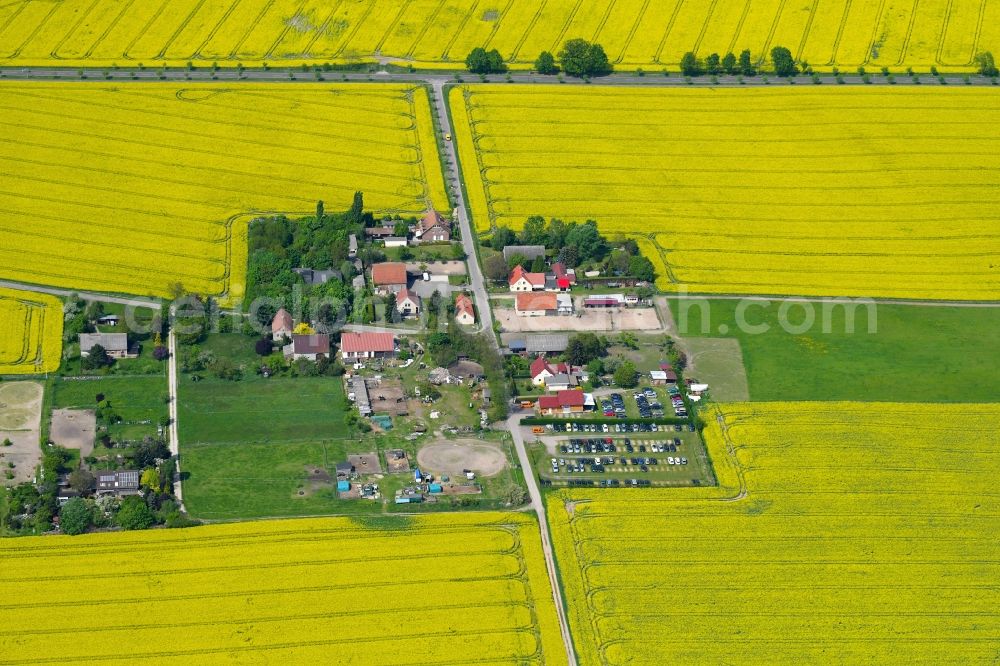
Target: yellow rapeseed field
(452, 589)
(31, 328)
(132, 187)
(635, 33)
(805, 191)
(843, 533)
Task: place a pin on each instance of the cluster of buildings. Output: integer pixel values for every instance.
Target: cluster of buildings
(390, 279)
(431, 228)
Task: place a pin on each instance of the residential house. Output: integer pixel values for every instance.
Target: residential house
(465, 312)
(535, 304)
(309, 347)
(529, 252)
(344, 469)
(521, 280)
(115, 344)
(433, 228)
(312, 277)
(122, 482)
(355, 346)
(407, 303)
(282, 325)
(389, 277)
(563, 402)
(544, 373)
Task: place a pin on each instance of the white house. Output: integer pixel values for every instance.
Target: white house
(407, 303)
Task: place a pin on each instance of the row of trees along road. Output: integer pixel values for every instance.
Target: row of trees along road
(578, 57)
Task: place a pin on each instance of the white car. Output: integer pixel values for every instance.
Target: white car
(670, 460)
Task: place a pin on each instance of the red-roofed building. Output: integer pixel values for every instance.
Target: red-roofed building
(389, 277)
(521, 280)
(536, 304)
(309, 347)
(541, 370)
(281, 325)
(465, 313)
(563, 402)
(564, 279)
(433, 228)
(354, 346)
(407, 303)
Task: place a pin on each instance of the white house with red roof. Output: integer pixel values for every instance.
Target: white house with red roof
(465, 313)
(433, 228)
(407, 303)
(356, 346)
(282, 325)
(555, 376)
(521, 280)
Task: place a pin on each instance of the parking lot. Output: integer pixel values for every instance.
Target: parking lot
(668, 456)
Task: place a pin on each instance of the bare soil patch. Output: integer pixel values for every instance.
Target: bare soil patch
(20, 422)
(397, 461)
(451, 457)
(387, 397)
(366, 463)
(630, 319)
(74, 429)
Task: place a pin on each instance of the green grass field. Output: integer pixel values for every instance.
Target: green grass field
(917, 354)
(134, 399)
(253, 480)
(279, 409)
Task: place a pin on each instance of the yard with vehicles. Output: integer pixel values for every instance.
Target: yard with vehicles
(713, 207)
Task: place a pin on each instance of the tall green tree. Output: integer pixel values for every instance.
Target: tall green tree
(581, 58)
(713, 65)
(729, 63)
(134, 514)
(481, 61)
(546, 63)
(626, 376)
(746, 65)
(534, 232)
(690, 65)
(986, 64)
(784, 63)
(76, 516)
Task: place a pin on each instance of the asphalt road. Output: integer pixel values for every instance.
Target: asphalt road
(649, 79)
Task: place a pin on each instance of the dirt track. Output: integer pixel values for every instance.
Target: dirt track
(453, 456)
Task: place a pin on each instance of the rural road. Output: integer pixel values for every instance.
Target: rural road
(174, 442)
(85, 295)
(651, 79)
(478, 284)
(514, 426)
(468, 234)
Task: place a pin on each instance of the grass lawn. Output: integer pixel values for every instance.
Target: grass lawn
(279, 409)
(135, 398)
(253, 480)
(917, 354)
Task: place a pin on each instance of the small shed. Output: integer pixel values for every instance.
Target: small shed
(344, 469)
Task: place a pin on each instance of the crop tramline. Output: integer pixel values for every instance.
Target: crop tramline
(30, 332)
(843, 192)
(439, 33)
(864, 533)
(97, 181)
(276, 590)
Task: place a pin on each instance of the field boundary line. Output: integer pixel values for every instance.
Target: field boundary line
(446, 54)
(840, 33)
(108, 28)
(196, 55)
(243, 38)
(875, 33)
(139, 35)
(69, 33)
(713, 5)
(180, 28)
(527, 31)
(424, 28)
(667, 30)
